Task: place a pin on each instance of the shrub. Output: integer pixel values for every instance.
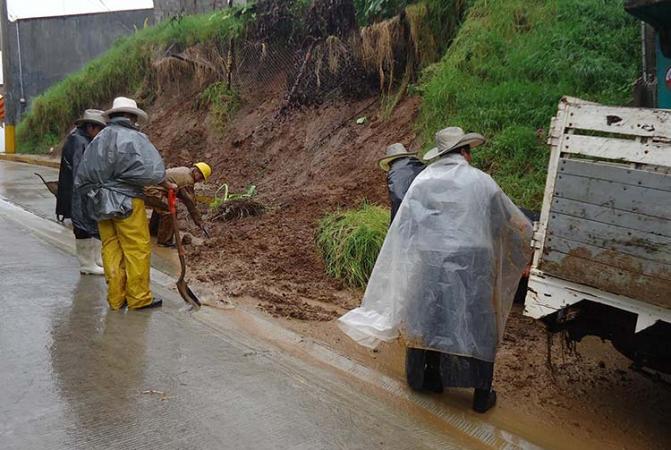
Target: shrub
(350, 241)
(222, 102)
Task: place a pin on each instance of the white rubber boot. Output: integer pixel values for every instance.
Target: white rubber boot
(98, 252)
(86, 249)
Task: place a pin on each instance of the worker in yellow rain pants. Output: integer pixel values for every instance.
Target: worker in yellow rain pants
(126, 252)
(111, 178)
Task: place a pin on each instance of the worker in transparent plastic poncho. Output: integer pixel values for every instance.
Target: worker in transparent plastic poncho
(447, 273)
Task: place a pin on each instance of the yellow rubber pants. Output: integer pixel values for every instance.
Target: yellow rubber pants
(126, 252)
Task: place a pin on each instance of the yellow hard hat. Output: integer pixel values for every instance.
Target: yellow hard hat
(204, 168)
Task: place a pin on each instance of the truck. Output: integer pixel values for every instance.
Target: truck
(602, 247)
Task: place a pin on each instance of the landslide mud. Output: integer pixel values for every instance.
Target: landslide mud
(309, 161)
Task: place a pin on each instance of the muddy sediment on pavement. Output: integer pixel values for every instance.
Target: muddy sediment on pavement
(587, 399)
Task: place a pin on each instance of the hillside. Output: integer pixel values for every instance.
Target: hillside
(271, 93)
(509, 65)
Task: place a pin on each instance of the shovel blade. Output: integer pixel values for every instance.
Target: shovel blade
(51, 185)
(187, 294)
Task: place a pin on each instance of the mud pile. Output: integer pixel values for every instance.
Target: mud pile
(304, 161)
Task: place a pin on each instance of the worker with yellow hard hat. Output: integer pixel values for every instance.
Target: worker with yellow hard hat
(185, 178)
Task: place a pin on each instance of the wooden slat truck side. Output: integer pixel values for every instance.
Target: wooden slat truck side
(602, 262)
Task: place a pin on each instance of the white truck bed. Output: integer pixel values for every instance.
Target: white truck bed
(605, 228)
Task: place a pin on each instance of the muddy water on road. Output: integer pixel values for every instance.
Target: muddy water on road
(572, 411)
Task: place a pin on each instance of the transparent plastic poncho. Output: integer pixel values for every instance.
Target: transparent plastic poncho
(449, 267)
(115, 168)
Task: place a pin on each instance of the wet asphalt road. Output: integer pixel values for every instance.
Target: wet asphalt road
(76, 375)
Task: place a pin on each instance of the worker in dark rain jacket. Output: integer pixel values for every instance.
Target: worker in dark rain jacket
(402, 167)
(87, 242)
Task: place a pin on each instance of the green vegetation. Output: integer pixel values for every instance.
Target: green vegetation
(349, 242)
(221, 198)
(509, 65)
(222, 101)
(370, 11)
(120, 71)
(503, 76)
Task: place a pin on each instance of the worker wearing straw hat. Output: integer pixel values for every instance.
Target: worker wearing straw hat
(447, 273)
(402, 167)
(68, 204)
(117, 166)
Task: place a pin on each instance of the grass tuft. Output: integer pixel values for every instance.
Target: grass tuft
(222, 101)
(350, 241)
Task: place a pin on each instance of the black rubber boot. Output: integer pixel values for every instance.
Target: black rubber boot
(484, 400)
(155, 303)
(433, 382)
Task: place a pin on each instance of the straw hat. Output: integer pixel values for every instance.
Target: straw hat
(451, 138)
(394, 152)
(127, 105)
(94, 116)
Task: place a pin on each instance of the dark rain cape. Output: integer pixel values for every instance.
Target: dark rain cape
(116, 166)
(73, 148)
(449, 266)
(399, 178)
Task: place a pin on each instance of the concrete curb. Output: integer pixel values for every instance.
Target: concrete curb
(36, 160)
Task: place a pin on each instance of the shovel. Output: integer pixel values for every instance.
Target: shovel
(184, 290)
(51, 185)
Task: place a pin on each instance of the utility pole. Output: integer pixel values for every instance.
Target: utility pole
(8, 67)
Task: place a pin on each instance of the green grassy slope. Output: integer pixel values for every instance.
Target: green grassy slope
(119, 71)
(507, 69)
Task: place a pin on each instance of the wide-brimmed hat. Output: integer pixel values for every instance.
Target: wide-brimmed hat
(94, 116)
(127, 105)
(452, 138)
(394, 152)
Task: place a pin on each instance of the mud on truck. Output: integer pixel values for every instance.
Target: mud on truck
(602, 262)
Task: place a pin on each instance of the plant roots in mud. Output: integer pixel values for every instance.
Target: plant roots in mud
(237, 209)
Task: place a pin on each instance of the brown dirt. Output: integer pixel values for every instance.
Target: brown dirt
(304, 163)
(307, 162)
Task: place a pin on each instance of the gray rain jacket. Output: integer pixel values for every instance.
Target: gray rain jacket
(116, 166)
